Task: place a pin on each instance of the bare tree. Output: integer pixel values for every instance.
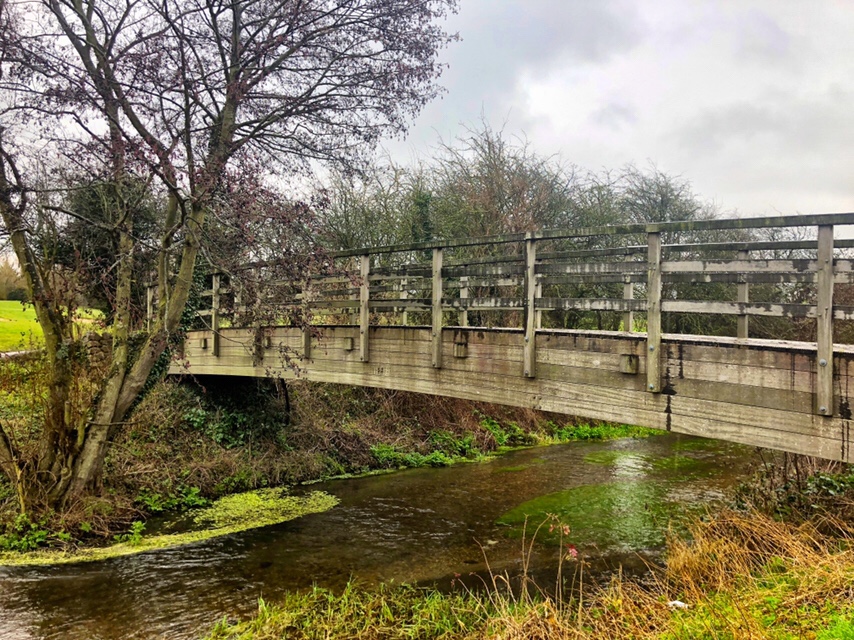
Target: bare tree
(187, 94)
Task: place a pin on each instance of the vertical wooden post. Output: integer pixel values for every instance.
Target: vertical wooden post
(404, 294)
(743, 296)
(354, 315)
(653, 314)
(215, 302)
(364, 310)
(306, 343)
(437, 308)
(628, 294)
(538, 313)
(260, 339)
(237, 314)
(529, 350)
(824, 312)
(464, 294)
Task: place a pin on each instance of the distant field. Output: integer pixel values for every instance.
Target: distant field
(19, 329)
(18, 326)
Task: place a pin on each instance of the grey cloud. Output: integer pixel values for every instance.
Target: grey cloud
(503, 40)
(783, 123)
(762, 39)
(614, 116)
(791, 146)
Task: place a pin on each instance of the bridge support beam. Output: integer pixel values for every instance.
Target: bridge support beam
(653, 316)
(530, 348)
(824, 313)
(364, 309)
(437, 309)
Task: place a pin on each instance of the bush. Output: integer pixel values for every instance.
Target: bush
(18, 294)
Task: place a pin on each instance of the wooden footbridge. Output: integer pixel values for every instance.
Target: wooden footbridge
(732, 329)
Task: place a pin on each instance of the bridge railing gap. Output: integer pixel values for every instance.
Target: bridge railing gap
(644, 280)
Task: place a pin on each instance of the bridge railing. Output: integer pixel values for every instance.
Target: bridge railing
(703, 277)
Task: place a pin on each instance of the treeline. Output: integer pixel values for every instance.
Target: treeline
(485, 183)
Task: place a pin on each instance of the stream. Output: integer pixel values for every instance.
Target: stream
(417, 526)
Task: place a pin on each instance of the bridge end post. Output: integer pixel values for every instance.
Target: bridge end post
(653, 315)
(824, 331)
(437, 309)
(364, 309)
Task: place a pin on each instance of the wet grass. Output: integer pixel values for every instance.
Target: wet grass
(231, 514)
(739, 575)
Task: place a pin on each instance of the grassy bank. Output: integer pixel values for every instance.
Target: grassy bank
(741, 575)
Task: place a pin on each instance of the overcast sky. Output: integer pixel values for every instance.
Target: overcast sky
(751, 100)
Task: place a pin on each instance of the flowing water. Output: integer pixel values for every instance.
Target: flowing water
(417, 526)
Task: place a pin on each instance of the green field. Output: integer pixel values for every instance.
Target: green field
(18, 326)
(20, 331)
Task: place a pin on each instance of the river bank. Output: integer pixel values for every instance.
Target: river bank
(737, 575)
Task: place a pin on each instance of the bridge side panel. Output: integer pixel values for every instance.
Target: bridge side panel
(741, 391)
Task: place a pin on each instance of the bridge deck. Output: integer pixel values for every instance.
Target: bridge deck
(756, 392)
(749, 278)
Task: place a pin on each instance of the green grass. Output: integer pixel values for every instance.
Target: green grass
(18, 326)
(19, 329)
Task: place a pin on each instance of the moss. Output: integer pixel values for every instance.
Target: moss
(228, 515)
(618, 515)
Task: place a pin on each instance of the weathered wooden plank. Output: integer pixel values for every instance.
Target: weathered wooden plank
(740, 266)
(463, 317)
(619, 268)
(484, 304)
(364, 308)
(755, 277)
(743, 326)
(743, 375)
(530, 320)
(485, 271)
(767, 309)
(592, 304)
(437, 309)
(772, 245)
(627, 229)
(830, 448)
(824, 313)
(628, 295)
(215, 314)
(594, 278)
(653, 313)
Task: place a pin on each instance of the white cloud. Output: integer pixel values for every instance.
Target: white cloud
(749, 99)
